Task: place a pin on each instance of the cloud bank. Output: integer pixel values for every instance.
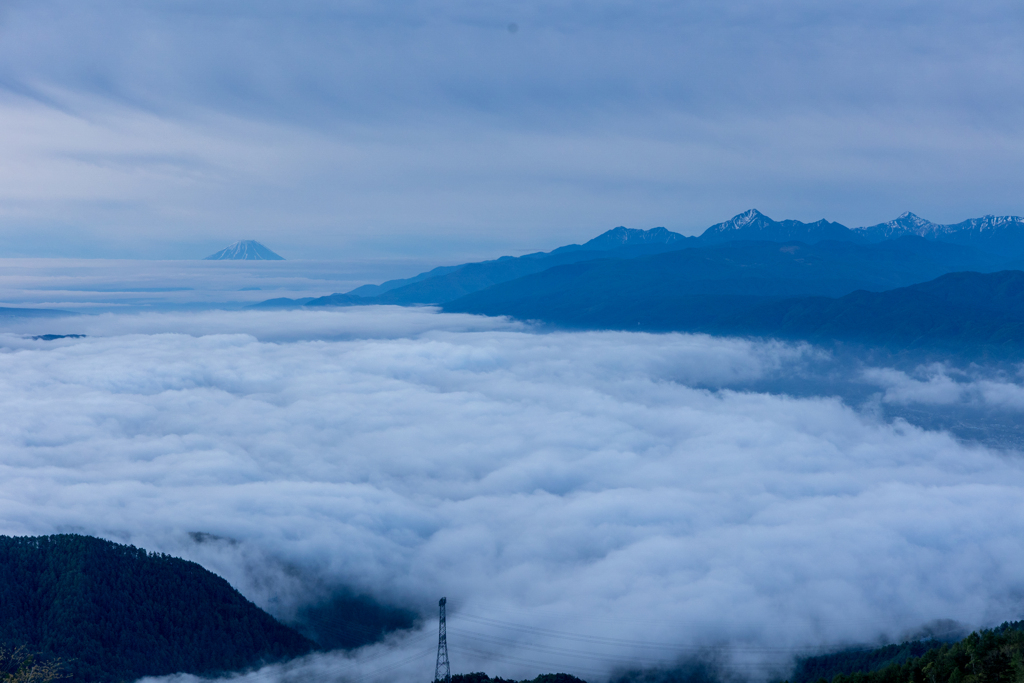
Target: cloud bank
(94, 285)
(586, 501)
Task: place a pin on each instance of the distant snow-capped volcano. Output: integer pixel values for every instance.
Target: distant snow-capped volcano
(245, 250)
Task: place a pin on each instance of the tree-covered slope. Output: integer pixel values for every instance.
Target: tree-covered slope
(480, 677)
(115, 613)
(828, 666)
(987, 656)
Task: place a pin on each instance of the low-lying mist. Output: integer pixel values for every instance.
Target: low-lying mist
(588, 502)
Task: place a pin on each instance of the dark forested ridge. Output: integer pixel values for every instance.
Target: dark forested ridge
(480, 677)
(986, 656)
(967, 312)
(115, 612)
(681, 286)
(827, 667)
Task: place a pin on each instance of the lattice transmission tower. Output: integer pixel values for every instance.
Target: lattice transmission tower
(442, 671)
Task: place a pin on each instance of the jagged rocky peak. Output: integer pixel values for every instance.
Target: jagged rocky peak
(245, 250)
(911, 219)
(745, 218)
(622, 236)
(906, 223)
(751, 218)
(991, 222)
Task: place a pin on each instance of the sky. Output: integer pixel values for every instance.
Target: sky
(587, 502)
(460, 130)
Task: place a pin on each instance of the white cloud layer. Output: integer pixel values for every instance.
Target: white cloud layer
(940, 385)
(92, 285)
(547, 484)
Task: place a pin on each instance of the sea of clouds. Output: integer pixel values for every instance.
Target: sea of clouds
(588, 502)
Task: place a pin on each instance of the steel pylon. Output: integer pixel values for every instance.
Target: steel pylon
(442, 671)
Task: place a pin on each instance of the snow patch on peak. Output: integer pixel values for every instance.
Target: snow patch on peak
(908, 218)
(622, 236)
(745, 218)
(989, 222)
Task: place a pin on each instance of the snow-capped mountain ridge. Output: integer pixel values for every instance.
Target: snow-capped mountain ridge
(754, 225)
(906, 223)
(992, 233)
(973, 229)
(623, 236)
(989, 222)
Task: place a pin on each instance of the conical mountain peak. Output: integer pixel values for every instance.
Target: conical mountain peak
(245, 250)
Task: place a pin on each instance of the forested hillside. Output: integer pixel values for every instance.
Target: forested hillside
(480, 677)
(114, 612)
(986, 656)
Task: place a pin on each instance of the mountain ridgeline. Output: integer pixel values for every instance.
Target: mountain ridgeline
(752, 275)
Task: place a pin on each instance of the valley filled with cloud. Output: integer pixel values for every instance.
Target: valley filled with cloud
(588, 502)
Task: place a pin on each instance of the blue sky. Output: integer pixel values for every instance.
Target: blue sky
(359, 130)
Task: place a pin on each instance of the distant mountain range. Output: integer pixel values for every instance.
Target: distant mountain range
(996, 234)
(245, 250)
(733, 279)
(754, 225)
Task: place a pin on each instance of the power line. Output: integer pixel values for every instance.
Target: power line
(600, 640)
(610, 661)
(529, 662)
(391, 667)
